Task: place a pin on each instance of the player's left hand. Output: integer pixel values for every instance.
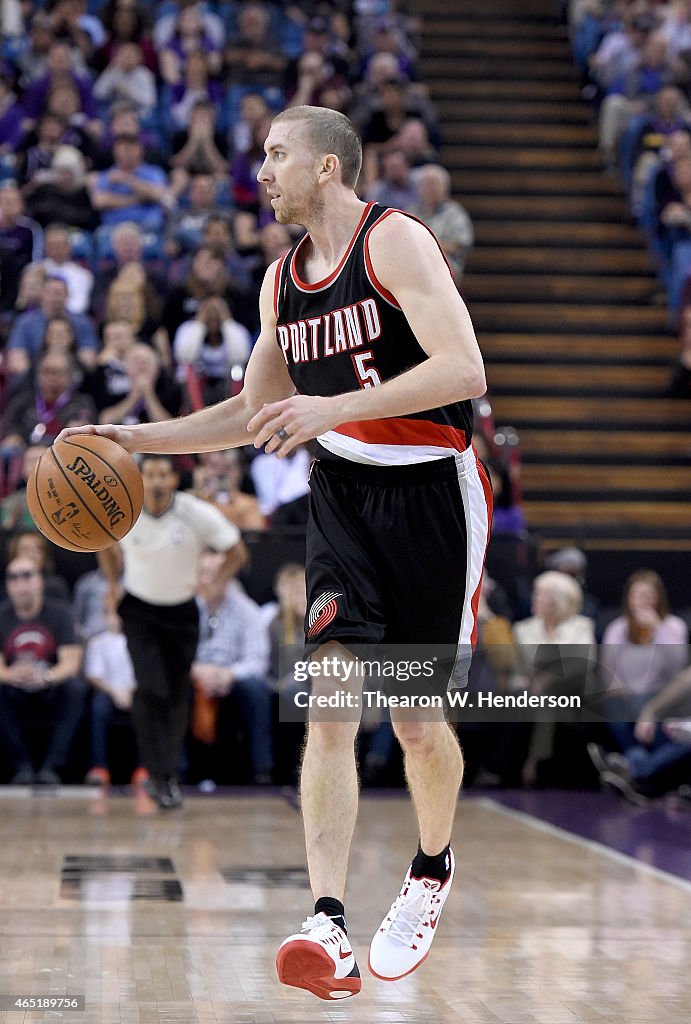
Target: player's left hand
(301, 418)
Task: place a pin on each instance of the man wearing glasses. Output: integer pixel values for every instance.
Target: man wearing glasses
(39, 675)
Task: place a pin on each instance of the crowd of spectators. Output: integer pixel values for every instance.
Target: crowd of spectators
(67, 682)
(133, 234)
(634, 60)
(133, 242)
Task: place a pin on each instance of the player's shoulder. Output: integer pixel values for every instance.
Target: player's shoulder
(394, 223)
(397, 233)
(403, 251)
(272, 268)
(269, 287)
(271, 272)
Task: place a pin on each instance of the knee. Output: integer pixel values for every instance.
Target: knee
(332, 736)
(418, 738)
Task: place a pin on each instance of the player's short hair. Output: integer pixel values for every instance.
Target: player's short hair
(329, 131)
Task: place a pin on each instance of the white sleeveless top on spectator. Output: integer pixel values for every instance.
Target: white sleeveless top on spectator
(189, 347)
(161, 552)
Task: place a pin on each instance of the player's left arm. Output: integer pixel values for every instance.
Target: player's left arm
(407, 263)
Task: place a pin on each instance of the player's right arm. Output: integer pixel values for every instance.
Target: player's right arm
(223, 425)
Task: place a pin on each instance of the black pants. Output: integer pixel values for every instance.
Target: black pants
(62, 705)
(162, 641)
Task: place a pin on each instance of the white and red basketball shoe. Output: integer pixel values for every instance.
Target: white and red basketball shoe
(319, 959)
(405, 935)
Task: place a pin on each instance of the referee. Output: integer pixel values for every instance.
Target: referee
(159, 611)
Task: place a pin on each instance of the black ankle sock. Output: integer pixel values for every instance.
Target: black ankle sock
(332, 908)
(432, 867)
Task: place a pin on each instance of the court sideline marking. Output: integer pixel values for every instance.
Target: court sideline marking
(588, 844)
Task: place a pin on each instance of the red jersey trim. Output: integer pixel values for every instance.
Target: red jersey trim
(489, 499)
(277, 283)
(319, 285)
(403, 431)
(374, 281)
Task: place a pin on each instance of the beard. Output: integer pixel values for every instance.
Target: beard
(304, 211)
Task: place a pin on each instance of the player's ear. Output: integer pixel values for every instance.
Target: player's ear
(329, 166)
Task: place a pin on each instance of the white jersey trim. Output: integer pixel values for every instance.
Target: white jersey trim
(477, 533)
(381, 454)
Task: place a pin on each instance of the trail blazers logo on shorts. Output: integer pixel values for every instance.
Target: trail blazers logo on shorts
(322, 612)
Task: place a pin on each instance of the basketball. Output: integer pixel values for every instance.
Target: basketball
(85, 493)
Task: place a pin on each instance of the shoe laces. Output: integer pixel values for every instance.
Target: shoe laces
(410, 912)
(317, 921)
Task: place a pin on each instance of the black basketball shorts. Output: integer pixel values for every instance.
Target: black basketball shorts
(395, 554)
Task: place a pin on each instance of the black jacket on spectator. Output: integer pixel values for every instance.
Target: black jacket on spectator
(22, 416)
(182, 305)
(107, 385)
(49, 203)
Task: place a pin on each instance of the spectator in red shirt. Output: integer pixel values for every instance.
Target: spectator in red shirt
(39, 663)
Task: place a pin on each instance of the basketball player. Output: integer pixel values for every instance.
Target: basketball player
(366, 345)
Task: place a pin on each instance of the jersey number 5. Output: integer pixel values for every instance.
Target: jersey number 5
(367, 375)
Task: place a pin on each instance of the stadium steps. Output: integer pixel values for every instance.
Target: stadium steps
(536, 182)
(543, 235)
(607, 444)
(471, 46)
(519, 260)
(621, 514)
(530, 111)
(484, 89)
(569, 379)
(563, 209)
(674, 481)
(520, 159)
(522, 410)
(522, 135)
(438, 23)
(507, 72)
(575, 288)
(593, 350)
(546, 317)
(558, 284)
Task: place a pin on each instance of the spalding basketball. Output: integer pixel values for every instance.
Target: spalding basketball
(85, 493)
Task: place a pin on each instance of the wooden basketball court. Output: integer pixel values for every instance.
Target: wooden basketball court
(176, 918)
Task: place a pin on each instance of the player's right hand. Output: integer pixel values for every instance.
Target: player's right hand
(121, 435)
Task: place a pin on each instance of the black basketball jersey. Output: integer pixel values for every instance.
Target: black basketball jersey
(348, 331)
